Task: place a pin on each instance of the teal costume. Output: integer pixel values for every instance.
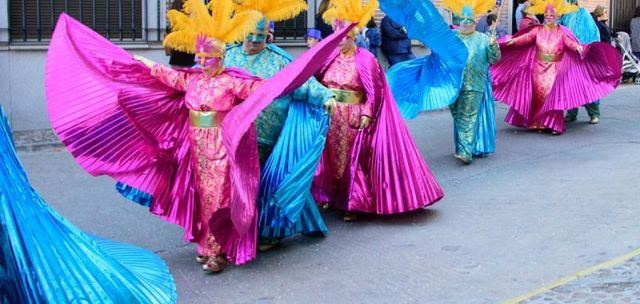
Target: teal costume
(291, 135)
(475, 94)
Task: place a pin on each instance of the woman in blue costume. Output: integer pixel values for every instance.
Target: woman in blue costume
(45, 259)
(291, 134)
(583, 26)
(455, 74)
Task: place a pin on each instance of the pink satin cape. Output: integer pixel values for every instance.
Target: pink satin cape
(387, 172)
(117, 120)
(580, 79)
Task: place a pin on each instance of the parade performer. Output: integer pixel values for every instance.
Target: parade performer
(300, 145)
(164, 134)
(370, 163)
(462, 83)
(45, 259)
(584, 28)
(544, 70)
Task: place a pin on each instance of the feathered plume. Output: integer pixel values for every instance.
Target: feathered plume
(479, 7)
(351, 11)
(218, 20)
(275, 10)
(561, 7)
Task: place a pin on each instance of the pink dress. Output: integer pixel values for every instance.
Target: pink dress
(550, 43)
(219, 93)
(345, 121)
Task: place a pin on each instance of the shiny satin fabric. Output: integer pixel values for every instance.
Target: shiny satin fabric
(582, 26)
(45, 259)
(429, 82)
(292, 129)
(485, 131)
(387, 174)
(580, 79)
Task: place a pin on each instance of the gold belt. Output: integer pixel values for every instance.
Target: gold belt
(202, 119)
(546, 57)
(347, 96)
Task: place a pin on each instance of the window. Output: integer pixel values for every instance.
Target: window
(34, 20)
(293, 29)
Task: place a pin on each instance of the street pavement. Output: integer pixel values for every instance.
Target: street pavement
(541, 208)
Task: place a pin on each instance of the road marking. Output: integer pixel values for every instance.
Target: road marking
(583, 273)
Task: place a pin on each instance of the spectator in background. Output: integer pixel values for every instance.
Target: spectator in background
(313, 36)
(482, 25)
(500, 31)
(396, 45)
(601, 16)
(271, 35)
(177, 58)
(373, 35)
(527, 19)
(324, 28)
(522, 4)
(635, 33)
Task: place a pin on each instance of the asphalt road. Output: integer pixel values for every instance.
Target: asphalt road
(540, 208)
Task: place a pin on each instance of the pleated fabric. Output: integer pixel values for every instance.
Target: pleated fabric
(286, 204)
(582, 26)
(387, 174)
(486, 124)
(45, 259)
(580, 79)
(433, 81)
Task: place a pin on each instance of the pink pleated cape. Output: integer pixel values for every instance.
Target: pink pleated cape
(117, 120)
(387, 172)
(580, 79)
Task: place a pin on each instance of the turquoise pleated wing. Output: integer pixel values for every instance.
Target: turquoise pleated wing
(582, 25)
(486, 124)
(45, 259)
(433, 81)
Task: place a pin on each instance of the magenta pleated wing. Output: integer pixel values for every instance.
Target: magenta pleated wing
(388, 173)
(119, 121)
(580, 80)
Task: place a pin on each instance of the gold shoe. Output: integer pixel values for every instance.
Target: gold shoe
(463, 159)
(556, 133)
(214, 265)
(267, 246)
(594, 120)
(201, 259)
(350, 217)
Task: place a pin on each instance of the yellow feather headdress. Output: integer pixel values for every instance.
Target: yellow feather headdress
(469, 8)
(275, 10)
(219, 20)
(561, 6)
(351, 11)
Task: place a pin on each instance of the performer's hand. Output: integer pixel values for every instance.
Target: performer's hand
(492, 39)
(330, 106)
(579, 49)
(144, 61)
(510, 41)
(364, 122)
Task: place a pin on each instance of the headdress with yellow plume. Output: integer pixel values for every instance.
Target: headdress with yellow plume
(205, 29)
(560, 7)
(272, 11)
(467, 10)
(343, 12)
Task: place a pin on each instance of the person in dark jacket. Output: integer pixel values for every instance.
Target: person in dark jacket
(396, 45)
(601, 16)
(373, 35)
(324, 28)
(177, 58)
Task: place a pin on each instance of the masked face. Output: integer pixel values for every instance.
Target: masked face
(255, 42)
(209, 64)
(550, 16)
(346, 45)
(467, 27)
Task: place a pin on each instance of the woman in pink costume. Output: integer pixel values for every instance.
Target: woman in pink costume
(370, 163)
(177, 141)
(544, 70)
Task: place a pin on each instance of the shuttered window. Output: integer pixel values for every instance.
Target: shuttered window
(34, 20)
(293, 29)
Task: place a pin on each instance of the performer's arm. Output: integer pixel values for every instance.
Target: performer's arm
(493, 51)
(242, 88)
(572, 44)
(525, 39)
(313, 92)
(170, 77)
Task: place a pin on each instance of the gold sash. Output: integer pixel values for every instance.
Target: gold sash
(202, 119)
(348, 96)
(548, 57)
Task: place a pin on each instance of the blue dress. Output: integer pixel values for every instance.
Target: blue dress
(293, 130)
(45, 259)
